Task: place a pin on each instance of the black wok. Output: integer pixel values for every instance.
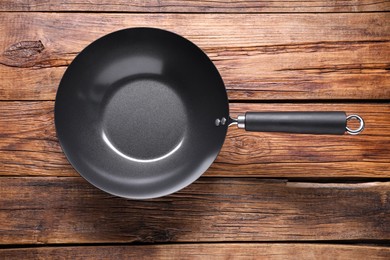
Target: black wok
(142, 113)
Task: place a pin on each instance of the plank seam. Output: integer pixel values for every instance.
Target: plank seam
(367, 242)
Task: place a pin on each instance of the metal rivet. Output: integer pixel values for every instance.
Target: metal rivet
(223, 121)
(217, 122)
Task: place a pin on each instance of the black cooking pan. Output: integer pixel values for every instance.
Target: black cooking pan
(142, 113)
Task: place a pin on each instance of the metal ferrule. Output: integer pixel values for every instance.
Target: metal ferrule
(241, 121)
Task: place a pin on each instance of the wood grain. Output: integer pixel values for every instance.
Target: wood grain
(318, 189)
(28, 145)
(260, 57)
(69, 210)
(196, 6)
(203, 251)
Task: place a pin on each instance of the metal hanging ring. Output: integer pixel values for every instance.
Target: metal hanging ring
(355, 131)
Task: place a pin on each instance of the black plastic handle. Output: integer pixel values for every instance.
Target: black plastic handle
(297, 122)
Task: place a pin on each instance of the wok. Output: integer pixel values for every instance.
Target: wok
(141, 113)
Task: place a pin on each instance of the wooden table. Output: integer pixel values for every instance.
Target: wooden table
(267, 194)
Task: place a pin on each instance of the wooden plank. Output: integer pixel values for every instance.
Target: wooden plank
(203, 6)
(38, 210)
(28, 145)
(203, 251)
(266, 57)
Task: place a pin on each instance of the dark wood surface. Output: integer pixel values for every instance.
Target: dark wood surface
(204, 251)
(267, 195)
(52, 210)
(29, 146)
(202, 6)
(260, 56)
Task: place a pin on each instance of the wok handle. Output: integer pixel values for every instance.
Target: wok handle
(334, 122)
